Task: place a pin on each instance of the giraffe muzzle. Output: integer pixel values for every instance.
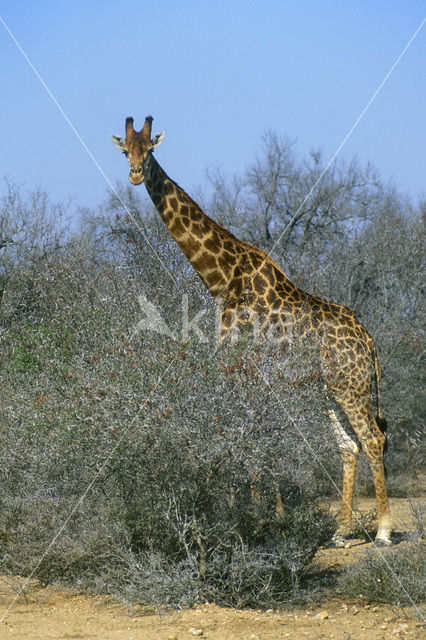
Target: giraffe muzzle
(136, 176)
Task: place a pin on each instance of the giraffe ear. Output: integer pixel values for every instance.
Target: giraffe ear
(158, 139)
(118, 142)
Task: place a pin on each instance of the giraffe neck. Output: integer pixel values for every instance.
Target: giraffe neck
(211, 250)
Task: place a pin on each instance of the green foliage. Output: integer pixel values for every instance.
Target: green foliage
(36, 347)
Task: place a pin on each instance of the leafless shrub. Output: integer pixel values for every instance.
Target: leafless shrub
(180, 451)
(172, 469)
(395, 576)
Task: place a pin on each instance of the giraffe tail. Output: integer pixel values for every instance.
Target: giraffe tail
(381, 422)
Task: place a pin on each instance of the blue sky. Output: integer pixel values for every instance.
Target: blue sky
(214, 75)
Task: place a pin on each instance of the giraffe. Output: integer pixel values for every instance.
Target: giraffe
(250, 287)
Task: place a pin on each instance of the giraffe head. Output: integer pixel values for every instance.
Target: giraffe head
(137, 146)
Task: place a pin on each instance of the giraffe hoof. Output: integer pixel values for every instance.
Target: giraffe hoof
(382, 542)
(338, 541)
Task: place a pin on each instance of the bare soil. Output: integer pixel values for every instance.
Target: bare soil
(41, 613)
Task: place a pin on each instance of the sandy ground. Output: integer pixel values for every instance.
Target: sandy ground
(44, 613)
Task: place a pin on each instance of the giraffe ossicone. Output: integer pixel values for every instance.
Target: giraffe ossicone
(252, 289)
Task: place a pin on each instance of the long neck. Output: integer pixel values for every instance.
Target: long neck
(211, 250)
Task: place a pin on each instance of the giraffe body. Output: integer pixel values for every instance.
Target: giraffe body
(251, 288)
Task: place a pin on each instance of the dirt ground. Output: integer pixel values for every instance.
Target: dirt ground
(47, 613)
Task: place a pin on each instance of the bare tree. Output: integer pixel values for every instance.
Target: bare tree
(32, 230)
(282, 199)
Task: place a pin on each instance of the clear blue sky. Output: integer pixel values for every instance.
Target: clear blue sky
(214, 75)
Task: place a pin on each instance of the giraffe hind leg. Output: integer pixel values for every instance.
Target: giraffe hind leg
(372, 438)
(383, 537)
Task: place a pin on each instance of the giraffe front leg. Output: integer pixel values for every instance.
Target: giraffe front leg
(349, 451)
(350, 459)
